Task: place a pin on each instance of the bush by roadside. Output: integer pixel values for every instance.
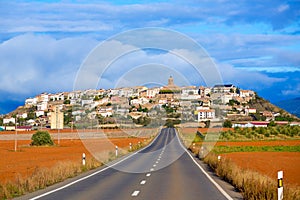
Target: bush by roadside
(41, 138)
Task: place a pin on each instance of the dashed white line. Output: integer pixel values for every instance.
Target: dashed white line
(143, 182)
(156, 162)
(154, 165)
(135, 193)
(148, 174)
(151, 169)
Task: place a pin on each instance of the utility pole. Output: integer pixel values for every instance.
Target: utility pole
(16, 135)
(57, 124)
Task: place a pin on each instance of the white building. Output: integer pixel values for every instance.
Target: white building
(39, 113)
(205, 113)
(23, 115)
(42, 105)
(31, 101)
(223, 88)
(225, 98)
(8, 120)
(140, 101)
(151, 93)
(192, 90)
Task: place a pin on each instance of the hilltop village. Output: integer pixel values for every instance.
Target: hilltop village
(142, 106)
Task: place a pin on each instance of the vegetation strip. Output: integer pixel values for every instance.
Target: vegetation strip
(251, 184)
(231, 149)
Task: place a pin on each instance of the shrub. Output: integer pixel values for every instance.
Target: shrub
(41, 138)
(227, 124)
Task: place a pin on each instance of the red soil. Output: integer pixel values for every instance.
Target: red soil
(27, 159)
(269, 163)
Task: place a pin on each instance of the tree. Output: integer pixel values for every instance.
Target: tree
(41, 138)
(227, 124)
(272, 123)
(96, 98)
(67, 101)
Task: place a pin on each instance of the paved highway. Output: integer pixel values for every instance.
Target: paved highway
(163, 170)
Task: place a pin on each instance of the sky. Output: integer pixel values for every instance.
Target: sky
(254, 44)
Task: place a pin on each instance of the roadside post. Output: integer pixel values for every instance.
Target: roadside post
(219, 158)
(83, 159)
(280, 185)
(130, 146)
(116, 151)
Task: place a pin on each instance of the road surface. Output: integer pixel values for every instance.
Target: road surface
(163, 170)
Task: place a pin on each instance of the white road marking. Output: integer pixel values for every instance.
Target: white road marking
(204, 172)
(156, 162)
(93, 174)
(151, 169)
(135, 193)
(148, 174)
(143, 182)
(154, 165)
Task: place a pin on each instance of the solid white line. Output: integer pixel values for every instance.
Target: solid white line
(204, 172)
(135, 193)
(143, 182)
(93, 174)
(148, 174)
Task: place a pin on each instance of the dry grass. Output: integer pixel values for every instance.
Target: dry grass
(251, 184)
(43, 177)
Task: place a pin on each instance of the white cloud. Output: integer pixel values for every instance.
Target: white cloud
(293, 91)
(247, 79)
(36, 63)
(283, 8)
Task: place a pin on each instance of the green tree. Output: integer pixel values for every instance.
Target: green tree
(41, 138)
(67, 101)
(272, 123)
(96, 98)
(227, 124)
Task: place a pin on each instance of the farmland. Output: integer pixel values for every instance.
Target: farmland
(28, 162)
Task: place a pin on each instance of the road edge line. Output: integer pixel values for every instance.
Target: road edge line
(95, 173)
(204, 172)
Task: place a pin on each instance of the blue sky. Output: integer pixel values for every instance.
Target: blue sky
(256, 44)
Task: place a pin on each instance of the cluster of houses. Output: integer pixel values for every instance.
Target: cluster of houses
(191, 103)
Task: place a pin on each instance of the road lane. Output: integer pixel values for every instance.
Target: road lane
(163, 170)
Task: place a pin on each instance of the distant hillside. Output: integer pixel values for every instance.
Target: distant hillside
(262, 104)
(291, 105)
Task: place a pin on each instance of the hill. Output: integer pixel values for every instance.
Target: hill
(261, 104)
(291, 105)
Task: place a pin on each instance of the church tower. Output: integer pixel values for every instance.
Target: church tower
(170, 81)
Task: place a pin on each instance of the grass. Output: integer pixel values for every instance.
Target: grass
(231, 149)
(252, 185)
(43, 177)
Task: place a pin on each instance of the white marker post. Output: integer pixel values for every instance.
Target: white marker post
(280, 185)
(219, 158)
(83, 159)
(116, 151)
(130, 146)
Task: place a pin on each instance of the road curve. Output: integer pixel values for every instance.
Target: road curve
(163, 170)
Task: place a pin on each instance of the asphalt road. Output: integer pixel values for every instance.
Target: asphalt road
(163, 170)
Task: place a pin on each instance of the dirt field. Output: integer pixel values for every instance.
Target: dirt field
(269, 163)
(27, 159)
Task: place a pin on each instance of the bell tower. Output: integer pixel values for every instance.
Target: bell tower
(171, 81)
